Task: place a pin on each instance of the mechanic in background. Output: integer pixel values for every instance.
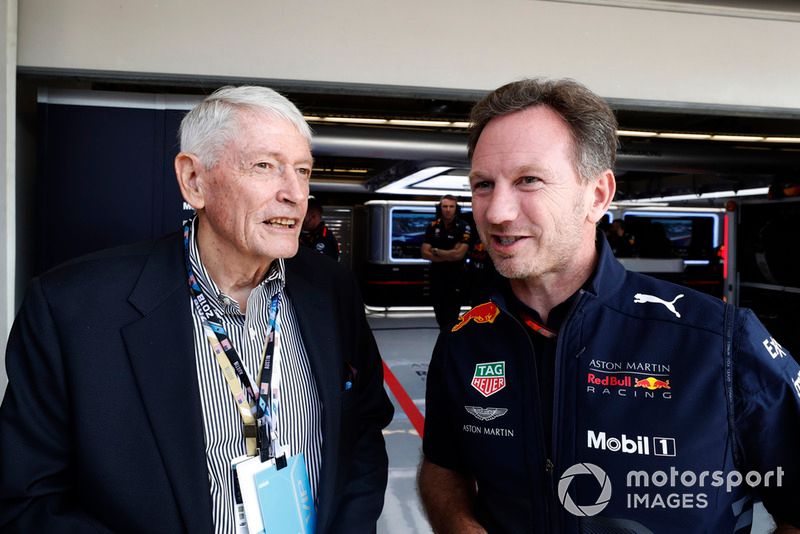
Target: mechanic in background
(445, 244)
(316, 234)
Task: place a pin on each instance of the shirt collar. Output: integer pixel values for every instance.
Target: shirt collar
(274, 281)
(607, 278)
(520, 309)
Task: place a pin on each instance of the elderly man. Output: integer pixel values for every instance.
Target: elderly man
(137, 374)
(562, 403)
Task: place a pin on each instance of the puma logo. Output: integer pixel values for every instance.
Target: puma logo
(641, 298)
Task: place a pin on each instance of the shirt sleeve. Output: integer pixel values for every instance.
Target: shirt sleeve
(767, 415)
(428, 234)
(440, 441)
(466, 234)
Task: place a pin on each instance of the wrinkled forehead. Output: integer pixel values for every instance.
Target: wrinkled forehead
(258, 131)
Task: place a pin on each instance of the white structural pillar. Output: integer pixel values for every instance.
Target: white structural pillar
(8, 226)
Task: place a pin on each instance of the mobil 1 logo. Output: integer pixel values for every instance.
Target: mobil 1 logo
(642, 445)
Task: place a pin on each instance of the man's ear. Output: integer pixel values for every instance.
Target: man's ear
(602, 189)
(188, 169)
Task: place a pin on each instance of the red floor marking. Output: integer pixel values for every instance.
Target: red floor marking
(408, 406)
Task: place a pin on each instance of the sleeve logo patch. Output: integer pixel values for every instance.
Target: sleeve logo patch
(773, 348)
(797, 384)
(482, 313)
(642, 298)
(489, 378)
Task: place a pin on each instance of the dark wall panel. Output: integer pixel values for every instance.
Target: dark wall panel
(105, 179)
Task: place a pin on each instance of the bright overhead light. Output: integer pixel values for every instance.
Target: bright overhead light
(450, 182)
(635, 133)
(338, 170)
(390, 122)
(621, 133)
(702, 196)
(355, 120)
(741, 138)
(355, 171)
(410, 122)
(431, 181)
(683, 135)
(782, 139)
(403, 186)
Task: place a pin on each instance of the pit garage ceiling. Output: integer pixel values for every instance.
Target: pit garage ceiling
(766, 9)
(361, 159)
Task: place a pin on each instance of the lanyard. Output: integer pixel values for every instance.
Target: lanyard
(538, 327)
(255, 405)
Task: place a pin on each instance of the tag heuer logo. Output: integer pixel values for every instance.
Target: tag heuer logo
(489, 378)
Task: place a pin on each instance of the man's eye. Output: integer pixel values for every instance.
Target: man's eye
(304, 171)
(265, 165)
(529, 181)
(481, 185)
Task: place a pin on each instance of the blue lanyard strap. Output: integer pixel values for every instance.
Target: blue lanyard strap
(257, 416)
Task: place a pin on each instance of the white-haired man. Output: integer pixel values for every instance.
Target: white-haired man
(137, 374)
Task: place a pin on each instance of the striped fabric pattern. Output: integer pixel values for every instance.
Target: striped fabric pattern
(299, 422)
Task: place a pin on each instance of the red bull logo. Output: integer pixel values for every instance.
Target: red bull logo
(652, 383)
(614, 381)
(482, 313)
(489, 378)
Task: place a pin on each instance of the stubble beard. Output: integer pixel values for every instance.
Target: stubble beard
(547, 257)
(513, 267)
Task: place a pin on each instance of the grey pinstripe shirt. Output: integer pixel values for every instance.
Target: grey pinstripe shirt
(299, 421)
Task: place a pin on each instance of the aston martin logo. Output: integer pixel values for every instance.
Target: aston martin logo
(486, 414)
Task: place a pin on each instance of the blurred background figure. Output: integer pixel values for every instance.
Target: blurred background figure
(654, 242)
(445, 245)
(623, 244)
(315, 234)
(479, 271)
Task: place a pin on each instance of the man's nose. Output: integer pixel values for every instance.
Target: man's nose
(502, 206)
(294, 187)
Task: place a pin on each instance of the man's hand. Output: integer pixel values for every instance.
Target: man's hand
(447, 497)
(435, 254)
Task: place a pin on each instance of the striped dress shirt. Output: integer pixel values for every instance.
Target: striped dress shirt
(299, 418)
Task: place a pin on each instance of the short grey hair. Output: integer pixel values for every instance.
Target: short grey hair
(211, 124)
(589, 118)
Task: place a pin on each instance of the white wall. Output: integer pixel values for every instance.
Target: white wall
(459, 44)
(8, 85)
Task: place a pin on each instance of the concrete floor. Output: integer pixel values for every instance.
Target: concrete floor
(406, 342)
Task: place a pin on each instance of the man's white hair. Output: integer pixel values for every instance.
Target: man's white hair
(211, 124)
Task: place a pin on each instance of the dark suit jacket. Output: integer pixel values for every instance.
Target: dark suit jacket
(101, 426)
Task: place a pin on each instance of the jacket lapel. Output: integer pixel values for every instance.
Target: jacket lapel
(161, 351)
(317, 326)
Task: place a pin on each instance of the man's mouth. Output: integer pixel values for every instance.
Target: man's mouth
(506, 240)
(281, 222)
